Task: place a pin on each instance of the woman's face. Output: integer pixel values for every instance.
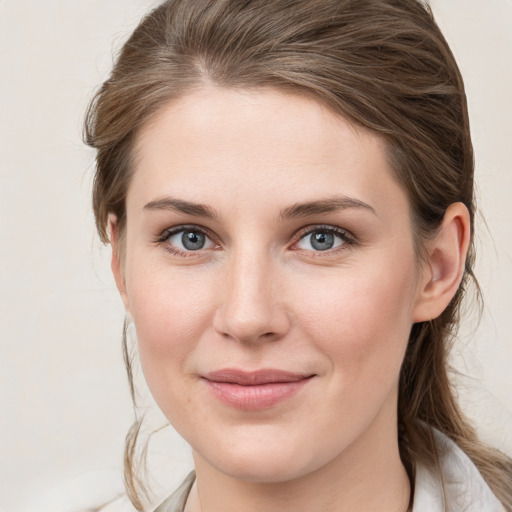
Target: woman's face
(271, 275)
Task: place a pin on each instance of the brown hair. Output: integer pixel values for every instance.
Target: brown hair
(384, 65)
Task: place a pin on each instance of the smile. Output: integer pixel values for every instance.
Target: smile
(254, 390)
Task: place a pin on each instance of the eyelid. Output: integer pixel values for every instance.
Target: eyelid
(166, 233)
(164, 237)
(347, 237)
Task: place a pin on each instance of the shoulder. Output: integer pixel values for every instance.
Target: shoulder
(121, 504)
(455, 486)
(176, 502)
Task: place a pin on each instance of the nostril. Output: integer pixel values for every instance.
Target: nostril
(268, 336)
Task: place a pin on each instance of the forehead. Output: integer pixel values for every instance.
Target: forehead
(261, 144)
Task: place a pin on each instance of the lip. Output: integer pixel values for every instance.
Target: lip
(255, 390)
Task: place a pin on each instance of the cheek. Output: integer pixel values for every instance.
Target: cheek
(361, 319)
(171, 312)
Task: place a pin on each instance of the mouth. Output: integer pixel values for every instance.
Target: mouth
(256, 390)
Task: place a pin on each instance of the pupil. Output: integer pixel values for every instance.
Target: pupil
(192, 240)
(322, 241)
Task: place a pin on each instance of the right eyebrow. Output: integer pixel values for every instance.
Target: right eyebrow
(179, 205)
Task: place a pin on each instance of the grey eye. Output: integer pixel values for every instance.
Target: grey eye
(190, 239)
(322, 241)
(193, 240)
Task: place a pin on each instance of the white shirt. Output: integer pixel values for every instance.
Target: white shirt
(457, 487)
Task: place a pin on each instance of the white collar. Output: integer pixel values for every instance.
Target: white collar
(456, 487)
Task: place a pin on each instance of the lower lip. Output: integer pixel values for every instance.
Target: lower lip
(255, 397)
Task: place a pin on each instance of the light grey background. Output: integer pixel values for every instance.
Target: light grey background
(63, 396)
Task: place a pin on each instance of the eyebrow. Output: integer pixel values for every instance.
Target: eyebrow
(179, 205)
(294, 211)
(324, 206)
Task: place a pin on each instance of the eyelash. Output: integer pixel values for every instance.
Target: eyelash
(345, 236)
(168, 233)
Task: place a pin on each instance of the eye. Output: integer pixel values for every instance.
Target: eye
(322, 239)
(187, 239)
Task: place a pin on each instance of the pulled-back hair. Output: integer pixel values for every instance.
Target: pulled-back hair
(381, 64)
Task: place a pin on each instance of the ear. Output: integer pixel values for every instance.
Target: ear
(117, 260)
(442, 274)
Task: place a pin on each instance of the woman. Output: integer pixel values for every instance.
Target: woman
(288, 190)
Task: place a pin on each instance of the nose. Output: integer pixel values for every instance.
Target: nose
(252, 304)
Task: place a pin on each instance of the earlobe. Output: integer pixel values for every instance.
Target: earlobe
(116, 262)
(444, 269)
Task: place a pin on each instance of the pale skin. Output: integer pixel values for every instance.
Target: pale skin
(302, 259)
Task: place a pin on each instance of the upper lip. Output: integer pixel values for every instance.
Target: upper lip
(254, 378)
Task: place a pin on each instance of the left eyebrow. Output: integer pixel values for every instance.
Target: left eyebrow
(324, 206)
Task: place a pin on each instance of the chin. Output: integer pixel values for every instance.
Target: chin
(264, 469)
(269, 459)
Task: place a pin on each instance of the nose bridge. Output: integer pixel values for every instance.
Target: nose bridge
(251, 307)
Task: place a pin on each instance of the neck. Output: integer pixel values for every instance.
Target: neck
(367, 476)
